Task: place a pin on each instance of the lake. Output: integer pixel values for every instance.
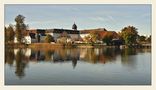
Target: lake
(78, 66)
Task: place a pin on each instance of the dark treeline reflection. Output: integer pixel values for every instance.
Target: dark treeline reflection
(128, 58)
(21, 57)
(17, 58)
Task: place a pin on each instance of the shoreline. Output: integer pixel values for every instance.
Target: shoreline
(54, 46)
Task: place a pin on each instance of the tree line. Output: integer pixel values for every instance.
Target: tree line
(17, 30)
(128, 35)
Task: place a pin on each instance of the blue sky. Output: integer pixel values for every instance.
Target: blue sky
(113, 17)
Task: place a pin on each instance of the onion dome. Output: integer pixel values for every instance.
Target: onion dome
(74, 26)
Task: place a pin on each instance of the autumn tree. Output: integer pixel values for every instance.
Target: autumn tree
(87, 39)
(129, 34)
(107, 38)
(149, 39)
(9, 33)
(94, 36)
(49, 39)
(5, 31)
(20, 27)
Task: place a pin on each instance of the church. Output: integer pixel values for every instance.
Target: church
(70, 35)
(38, 35)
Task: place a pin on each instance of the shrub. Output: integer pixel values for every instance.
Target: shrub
(49, 39)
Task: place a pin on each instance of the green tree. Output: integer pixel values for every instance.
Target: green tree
(129, 34)
(49, 39)
(107, 39)
(20, 27)
(142, 38)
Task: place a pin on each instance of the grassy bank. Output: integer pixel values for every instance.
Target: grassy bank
(15, 45)
(54, 46)
(44, 46)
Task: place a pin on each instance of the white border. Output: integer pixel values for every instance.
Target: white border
(111, 87)
(78, 1)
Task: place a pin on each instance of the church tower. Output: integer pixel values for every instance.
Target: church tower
(74, 26)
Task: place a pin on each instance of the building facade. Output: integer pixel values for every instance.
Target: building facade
(38, 35)
(71, 35)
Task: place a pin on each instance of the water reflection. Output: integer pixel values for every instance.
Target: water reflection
(20, 58)
(20, 63)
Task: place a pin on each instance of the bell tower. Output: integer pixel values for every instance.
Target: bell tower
(74, 26)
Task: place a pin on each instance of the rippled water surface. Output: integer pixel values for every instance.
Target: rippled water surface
(75, 66)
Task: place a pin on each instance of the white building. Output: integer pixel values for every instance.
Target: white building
(74, 35)
(56, 33)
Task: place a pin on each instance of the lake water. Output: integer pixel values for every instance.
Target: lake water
(75, 66)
